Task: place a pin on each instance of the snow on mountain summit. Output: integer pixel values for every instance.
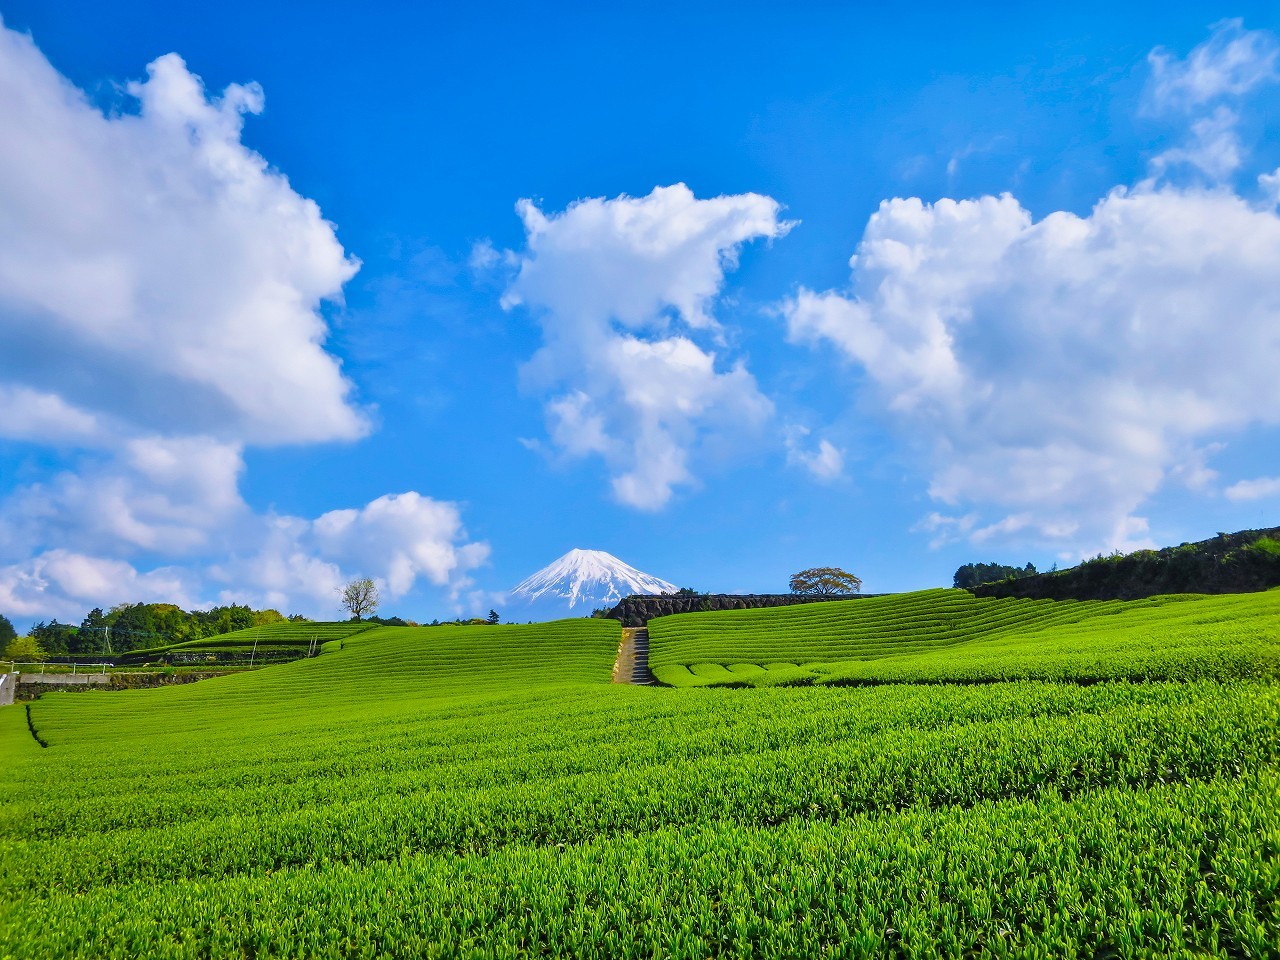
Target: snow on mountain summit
(587, 578)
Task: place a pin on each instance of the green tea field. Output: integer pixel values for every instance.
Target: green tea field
(919, 775)
(951, 636)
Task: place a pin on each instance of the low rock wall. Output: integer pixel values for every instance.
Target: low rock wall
(64, 679)
(31, 685)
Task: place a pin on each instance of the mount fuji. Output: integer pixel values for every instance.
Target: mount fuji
(578, 583)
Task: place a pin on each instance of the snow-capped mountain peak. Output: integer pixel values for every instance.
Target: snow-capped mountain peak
(587, 578)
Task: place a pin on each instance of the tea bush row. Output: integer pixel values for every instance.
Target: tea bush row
(970, 745)
(1172, 871)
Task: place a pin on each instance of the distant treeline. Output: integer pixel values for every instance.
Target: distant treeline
(972, 574)
(130, 626)
(1228, 563)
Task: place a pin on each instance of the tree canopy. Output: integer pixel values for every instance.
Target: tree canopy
(825, 582)
(133, 626)
(360, 597)
(23, 650)
(972, 574)
(58, 638)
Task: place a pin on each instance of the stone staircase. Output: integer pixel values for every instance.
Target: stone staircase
(632, 665)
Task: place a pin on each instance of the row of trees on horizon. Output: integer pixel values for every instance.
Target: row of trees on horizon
(135, 626)
(138, 626)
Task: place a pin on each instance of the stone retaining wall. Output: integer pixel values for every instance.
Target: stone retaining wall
(64, 679)
(637, 611)
(31, 685)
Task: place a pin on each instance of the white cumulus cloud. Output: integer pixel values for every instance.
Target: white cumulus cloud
(1232, 62)
(402, 537)
(1057, 373)
(1229, 65)
(1270, 185)
(155, 270)
(1213, 148)
(1061, 370)
(825, 462)
(66, 584)
(165, 495)
(1259, 488)
(38, 415)
(397, 539)
(291, 563)
(624, 290)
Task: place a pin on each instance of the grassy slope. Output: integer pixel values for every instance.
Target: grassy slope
(485, 791)
(949, 635)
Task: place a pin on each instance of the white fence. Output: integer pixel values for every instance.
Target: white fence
(76, 668)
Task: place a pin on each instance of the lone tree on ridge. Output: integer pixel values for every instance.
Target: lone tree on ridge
(360, 597)
(825, 582)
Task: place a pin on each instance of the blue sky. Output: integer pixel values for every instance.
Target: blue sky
(207, 400)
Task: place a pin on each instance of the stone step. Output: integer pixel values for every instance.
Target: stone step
(633, 659)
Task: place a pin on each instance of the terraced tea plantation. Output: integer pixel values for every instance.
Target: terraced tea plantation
(272, 640)
(951, 636)
(484, 791)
